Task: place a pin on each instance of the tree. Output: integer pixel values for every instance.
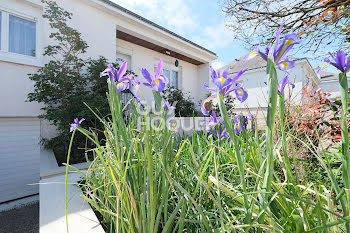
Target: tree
(67, 83)
(318, 22)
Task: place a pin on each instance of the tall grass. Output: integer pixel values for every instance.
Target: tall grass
(144, 178)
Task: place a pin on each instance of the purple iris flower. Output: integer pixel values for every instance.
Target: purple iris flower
(237, 124)
(223, 133)
(155, 81)
(166, 105)
(241, 122)
(135, 86)
(215, 126)
(341, 62)
(226, 89)
(279, 52)
(251, 118)
(220, 78)
(281, 86)
(122, 82)
(76, 124)
(213, 121)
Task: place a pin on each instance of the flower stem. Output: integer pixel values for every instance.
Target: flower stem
(66, 180)
(284, 140)
(241, 168)
(270, 122)
(343, 81)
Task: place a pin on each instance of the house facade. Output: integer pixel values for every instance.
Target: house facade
(110, 31)
(330, 83)
(302, 75)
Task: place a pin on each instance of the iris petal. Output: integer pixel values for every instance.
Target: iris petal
(288, 42)
(241, 94)
(251, 55)
(209, 88)
(122, 69)
(164, 78)
(277, 42)
(286, 65)
(238, 75)
(159, 67)
(146, 75)
(204, 106)
(324, 65)
(340, 60)
(212, 73)
(282, 85)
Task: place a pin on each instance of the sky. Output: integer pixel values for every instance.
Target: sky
(201, 21)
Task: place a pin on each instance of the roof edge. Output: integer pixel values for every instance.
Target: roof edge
(156, 25)
(260, 67)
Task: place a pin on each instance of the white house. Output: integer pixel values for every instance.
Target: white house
(111, 31)
(302, 75)
(330, 83)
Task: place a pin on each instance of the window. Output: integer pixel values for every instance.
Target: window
(174, 79)
(123, 57)
(19, 41)
(22, 36)
(166, 73)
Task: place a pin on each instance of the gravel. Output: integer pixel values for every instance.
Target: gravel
(24, 219)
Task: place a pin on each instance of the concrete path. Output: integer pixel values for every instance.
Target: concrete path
(21, 219)
(81, 218)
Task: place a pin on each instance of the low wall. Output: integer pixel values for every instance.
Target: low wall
(187, 125)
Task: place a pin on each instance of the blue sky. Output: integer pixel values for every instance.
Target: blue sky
(201, 21)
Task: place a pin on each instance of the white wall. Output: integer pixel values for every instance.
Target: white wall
(253, 82)
(98, 26)
(203, 77)
(15, 84)
(189, 77)
(14, 88)
(333, 86)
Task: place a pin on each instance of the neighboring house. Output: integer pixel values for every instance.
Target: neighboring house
(302, 75)
(111, 31)
(330, 82)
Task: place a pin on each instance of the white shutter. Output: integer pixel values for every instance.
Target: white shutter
(20, 157)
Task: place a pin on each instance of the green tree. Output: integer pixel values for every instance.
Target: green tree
(67, 83)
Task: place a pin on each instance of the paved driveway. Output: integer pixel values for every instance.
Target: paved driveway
(20, 220)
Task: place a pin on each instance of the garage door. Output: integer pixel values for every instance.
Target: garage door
(19, 157)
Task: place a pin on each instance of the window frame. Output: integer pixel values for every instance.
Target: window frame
(5, 54)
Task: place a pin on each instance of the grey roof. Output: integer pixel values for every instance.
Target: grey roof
(327, 76)
(255, 63)
(154, 24)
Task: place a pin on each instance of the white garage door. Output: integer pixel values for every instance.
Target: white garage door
(19, 157)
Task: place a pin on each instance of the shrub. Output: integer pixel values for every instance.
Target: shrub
(320, 115)
(184, 107)
(229, 102)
